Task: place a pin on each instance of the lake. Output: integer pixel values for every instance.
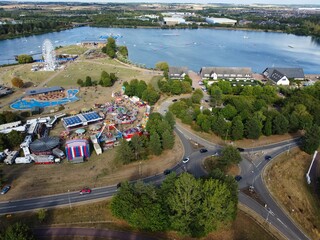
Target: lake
(191, 48)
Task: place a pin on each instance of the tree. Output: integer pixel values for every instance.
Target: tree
(311, 139)
(155, 143)
(175, 87)
(163, 66)
(14, 138)
(167, 139)
(229, 111)
(42, 214)
(137, 146)
(111, 47)
(184, 203)
(170, 119)
(216, 95)
(267, 129)
(24, 58)
(229, 155)
(280, 124)
(124, 153)
(80, 82)
(88, 81)
(253, 128)
(150, 95)
(197, 96)
(237, 128)
(17, 82)
(123, 50)
(18, 231)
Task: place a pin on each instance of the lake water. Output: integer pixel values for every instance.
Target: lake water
(191, 48)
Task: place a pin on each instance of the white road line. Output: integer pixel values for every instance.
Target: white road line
(282, 222)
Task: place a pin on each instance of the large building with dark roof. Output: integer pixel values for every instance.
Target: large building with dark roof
(44, 90)
(225, 73)
(281, 76)
(44, 146)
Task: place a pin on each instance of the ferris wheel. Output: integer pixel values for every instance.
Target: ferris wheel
(49, 56)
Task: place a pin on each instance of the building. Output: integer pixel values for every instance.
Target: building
(227, 21)
(178, 72)
(43, 90)
(76, 148)
(225, 73)
(44, 146)
(281, 76)
(171, 21)
(81, 119)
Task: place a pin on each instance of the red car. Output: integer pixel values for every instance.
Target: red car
(85, 190)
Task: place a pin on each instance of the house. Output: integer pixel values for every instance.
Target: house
(225, 73)
(281, 76)
(178, 72)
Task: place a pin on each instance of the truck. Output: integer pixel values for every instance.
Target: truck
(44, 159)
(58, 153)
(23, 160)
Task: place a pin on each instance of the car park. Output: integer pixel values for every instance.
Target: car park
(85, 190)
(203, 150)
(5, 189)
(186, 160)
(267, 157)
(167, 171)
(237, 178)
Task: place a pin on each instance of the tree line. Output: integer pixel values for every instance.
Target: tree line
(252, 111)
(160, 138)
(106, 80)
(192, 207)
(142, 90)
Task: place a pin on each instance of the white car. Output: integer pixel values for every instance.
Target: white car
(186, 160)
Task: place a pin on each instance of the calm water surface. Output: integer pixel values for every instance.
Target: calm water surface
(191, 48)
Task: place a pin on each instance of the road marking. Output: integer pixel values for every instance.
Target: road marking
(282, 222)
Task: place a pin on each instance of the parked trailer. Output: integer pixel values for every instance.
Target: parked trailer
(11, 156)
(44, 159)
(23, 160)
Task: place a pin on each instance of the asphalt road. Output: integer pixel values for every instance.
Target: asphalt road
(250, 171)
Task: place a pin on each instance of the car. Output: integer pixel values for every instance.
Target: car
(237, 178)
(186, 160)
(85, 190)
(167, 171)
(240, 149)
(206, 100)
(203, 150)
(119, 185)
(174, 100)
(5, 189)
(267, 157)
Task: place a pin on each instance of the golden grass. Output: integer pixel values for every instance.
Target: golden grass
(285, 178)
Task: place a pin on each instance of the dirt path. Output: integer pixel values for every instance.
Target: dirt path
(91, 233)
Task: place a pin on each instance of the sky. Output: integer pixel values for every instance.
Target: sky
(191, 1)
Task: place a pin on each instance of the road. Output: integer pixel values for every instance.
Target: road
(250, 170)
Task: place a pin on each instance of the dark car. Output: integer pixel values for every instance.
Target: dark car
(167, 171)
(240, 149)
(5, 189)
(119, 185)
(203, 150)
(174, 100)
(85, 190)
(237, 178)
(267, 157)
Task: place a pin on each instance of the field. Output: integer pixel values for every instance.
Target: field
(285, 178)
(98, 215)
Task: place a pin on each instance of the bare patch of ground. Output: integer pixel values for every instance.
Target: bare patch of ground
(285, 178)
